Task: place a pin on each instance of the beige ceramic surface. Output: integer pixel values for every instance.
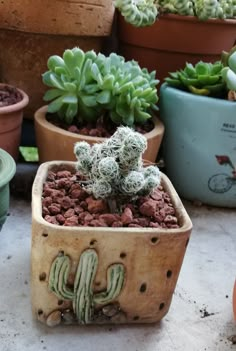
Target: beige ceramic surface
(10, 125)
(67, 17)
(149, 255)
(47, 133)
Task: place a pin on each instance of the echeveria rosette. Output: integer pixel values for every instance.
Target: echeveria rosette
(87, 84)
(229, 72)
(202, 79)
(73, 85)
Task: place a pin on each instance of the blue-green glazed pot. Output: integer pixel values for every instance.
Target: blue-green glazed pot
(7, 171)
(199, 146)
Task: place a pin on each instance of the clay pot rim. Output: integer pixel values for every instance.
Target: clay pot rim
(171, 17)
(7, 167)
(40, 116)
(181, 18)
(15, 107)
(201, 98)
(185, 221)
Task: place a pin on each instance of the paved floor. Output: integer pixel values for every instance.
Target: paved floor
(200, 317)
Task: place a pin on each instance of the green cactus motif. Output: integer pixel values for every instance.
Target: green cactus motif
(82, 295)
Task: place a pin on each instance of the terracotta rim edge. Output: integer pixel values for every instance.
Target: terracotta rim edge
(15, 107)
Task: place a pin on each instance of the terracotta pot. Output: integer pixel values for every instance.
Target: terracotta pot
(148, 260)
(33, 34)
(7, 171)
(47, 133)
(234, 300)
(10, 125)
(174, 40)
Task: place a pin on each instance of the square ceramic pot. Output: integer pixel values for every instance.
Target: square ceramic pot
(103, 275)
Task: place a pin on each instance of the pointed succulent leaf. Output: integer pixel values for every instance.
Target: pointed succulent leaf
(52, 94)
(56, 82)
(202, 68)
(71, 112)
(55, 61)
(206, 79)
(70, 99)
(104, 97)
(190, 70)
(89, 101)
(71, 87)
(55, 105)
(46, 77)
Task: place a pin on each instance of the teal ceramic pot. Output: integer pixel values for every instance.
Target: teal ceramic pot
(199, 146)
(7, 171)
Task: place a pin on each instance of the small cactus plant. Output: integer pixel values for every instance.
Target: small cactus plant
(114, 168)
(144, 12)
(202, 79)
(82, 295)
(85, 85)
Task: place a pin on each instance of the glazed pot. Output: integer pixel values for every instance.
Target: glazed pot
(199, 146)
(47, 133)
(7, 171)
(32, 33)
(10, 125)
(174, 40)
(145, 263)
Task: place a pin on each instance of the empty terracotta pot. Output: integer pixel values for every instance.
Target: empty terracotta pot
(10, 125)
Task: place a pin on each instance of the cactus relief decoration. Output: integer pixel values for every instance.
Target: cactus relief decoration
(82, 296)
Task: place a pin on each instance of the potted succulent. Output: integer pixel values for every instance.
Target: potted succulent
(12, 103)
(200, 131)
(108, 236)
(175, 31)
(7, 171)
(35, 30)
(90, 95)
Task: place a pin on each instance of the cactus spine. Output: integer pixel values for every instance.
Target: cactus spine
(114, 168)
(83, 297)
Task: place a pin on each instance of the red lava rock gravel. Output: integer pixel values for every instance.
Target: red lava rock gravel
(65, 202)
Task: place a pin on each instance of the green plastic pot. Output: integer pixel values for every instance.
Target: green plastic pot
(7, 171)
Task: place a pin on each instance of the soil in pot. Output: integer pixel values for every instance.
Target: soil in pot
(9, 96)
(102, 128)
(66, 203)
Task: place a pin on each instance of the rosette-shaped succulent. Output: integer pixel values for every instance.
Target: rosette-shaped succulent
(87, 85)
(202, 79)
(119, 173)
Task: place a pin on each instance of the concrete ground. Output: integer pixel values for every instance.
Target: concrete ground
(200, 317)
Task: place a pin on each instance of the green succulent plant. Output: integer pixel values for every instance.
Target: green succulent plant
(202, 79)
(229, 72)
(86, 84)
(144, 12)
